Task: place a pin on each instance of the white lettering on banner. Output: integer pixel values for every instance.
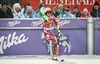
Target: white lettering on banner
(36, 23)
(64, 22)
(11, 40)
(13, 23)
(63, 38)
(65, 43)
(68, 2)
(40, 0)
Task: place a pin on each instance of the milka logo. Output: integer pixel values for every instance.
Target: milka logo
(62, 23)
(11, 40)
(36, 23)
(62, 38)
(65, 43)
(13, 23)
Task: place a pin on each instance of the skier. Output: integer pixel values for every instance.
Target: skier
(49, 36)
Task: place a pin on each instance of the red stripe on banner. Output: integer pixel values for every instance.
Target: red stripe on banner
(71, 3)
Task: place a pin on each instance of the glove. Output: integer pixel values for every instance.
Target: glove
(58, 31)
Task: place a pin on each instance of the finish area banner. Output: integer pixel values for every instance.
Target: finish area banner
(52, 3)
(97, 37)
(23, 37)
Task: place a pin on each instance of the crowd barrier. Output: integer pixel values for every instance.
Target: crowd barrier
(23, 37)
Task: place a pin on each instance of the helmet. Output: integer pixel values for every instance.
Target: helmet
(47, 10)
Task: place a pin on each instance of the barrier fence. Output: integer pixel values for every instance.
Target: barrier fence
(23, 37)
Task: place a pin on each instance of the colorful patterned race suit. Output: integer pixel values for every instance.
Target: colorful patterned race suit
(48, 26)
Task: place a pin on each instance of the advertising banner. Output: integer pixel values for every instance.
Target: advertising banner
(28, 41)
(76, 23)
(67, 3)
(97, 37)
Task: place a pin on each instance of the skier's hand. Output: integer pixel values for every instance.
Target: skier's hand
(58, 29)
(58, 32)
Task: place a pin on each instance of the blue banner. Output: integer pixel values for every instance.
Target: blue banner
(29, 42)
(97, 37)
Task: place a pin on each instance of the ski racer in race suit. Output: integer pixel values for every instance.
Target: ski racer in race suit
(48, 25)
